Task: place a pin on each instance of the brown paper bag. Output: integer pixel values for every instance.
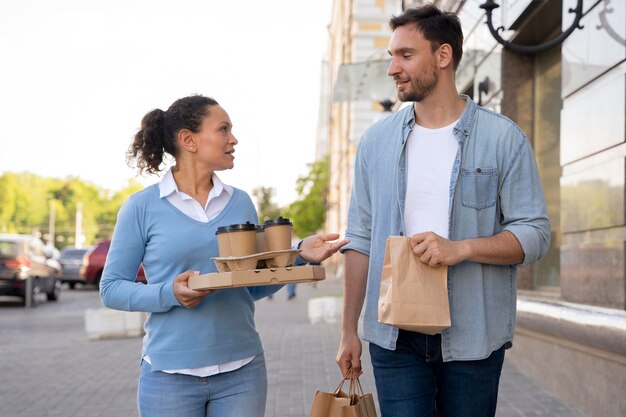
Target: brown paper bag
(340, 404)
(413, 296)
(330, 404)
(361, 405)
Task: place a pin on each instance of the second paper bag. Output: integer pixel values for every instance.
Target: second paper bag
(413, 296)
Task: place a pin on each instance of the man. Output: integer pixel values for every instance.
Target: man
(462, 182)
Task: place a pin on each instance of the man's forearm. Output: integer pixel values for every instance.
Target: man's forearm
(500, 249)
(356, 266)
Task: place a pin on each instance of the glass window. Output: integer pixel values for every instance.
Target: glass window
(546, 136)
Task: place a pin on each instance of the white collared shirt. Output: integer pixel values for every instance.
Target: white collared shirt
(218, 198)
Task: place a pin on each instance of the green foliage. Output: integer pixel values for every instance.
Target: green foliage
(308, 212)
(7, 202)
(108, 215)
(266, 208)
(26, 200)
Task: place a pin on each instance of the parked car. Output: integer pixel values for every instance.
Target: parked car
(25, 267)
(93, 264)
(71, 260)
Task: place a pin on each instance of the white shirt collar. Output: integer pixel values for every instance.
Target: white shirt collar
(167, 186)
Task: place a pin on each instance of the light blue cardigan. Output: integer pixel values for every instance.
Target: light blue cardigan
(150, 230)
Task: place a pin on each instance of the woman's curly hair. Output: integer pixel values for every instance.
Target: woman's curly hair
(159, 130)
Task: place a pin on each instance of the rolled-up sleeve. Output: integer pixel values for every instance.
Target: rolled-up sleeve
(523, 204)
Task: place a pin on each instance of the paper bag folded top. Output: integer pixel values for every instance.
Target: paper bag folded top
(413, 296)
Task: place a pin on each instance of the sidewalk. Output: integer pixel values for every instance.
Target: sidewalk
(51, 369)
(301, 359)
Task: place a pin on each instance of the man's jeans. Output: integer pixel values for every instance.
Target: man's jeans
(413, 381)
(239, 393)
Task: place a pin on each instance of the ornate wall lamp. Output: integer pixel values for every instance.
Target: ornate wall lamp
(489, 5)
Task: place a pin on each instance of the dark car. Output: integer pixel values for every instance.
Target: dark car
(71, 260)
(25, 270)
(93, 264)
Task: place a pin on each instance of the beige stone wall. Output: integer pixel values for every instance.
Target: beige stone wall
(589, 379)
(358, 32)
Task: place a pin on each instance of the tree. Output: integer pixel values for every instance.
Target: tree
(107, 216)
(308, 212)
(25, 201)
(266, 208)
(7, 202)
(25, 209)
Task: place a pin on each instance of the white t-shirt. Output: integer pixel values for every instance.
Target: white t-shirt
(430, 158)
(218, 198)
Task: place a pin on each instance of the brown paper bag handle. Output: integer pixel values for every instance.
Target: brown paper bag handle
(341, 383)
(355, 390)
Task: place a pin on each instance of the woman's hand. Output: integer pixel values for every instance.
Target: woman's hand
(318, 247)
(185, 295)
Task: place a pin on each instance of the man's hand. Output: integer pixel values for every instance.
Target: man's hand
(318, 247)
(349, 355)
(185, 295)
(435, 250)
(500, 249)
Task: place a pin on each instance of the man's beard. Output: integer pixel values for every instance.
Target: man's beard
(419, 89)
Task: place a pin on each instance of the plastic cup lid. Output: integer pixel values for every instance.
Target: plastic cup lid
(221, 229)
(244, 227)
(281, 221)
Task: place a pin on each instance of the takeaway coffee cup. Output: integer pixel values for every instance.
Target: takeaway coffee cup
(242, 239)
(261, 243)
(278, 234)
(223, 244)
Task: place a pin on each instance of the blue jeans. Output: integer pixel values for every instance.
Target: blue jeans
(413, 381)
(241, 392)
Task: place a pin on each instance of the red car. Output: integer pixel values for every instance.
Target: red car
(93, 264)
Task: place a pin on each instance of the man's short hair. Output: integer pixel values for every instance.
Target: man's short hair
(438, 27)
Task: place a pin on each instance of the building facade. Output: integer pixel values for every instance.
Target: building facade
(570, 100)
(358, 39)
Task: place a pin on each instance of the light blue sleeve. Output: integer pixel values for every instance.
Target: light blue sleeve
(118, 289)
(523, 205)
(359, 230)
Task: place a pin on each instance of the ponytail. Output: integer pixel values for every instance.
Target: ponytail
(149, 143)
(158, 133)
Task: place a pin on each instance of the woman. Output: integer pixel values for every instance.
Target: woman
(202, 355)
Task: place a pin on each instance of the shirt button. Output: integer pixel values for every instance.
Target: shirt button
(401, 234)
(479, 170)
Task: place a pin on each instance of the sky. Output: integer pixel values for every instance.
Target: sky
(77, 76)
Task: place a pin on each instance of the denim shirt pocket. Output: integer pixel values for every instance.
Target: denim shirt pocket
(479, 187)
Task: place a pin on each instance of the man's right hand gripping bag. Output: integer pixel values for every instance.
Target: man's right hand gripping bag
(413, 296)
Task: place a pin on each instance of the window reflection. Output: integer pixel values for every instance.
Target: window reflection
(546, 137)
(589, 52)
(594, 198)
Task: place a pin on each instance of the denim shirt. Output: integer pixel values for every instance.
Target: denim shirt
(494, 186)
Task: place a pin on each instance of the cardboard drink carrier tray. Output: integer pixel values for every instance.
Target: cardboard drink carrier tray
(266, 268)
